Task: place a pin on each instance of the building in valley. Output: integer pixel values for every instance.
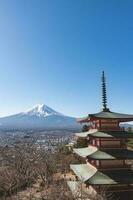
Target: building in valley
(106, 160)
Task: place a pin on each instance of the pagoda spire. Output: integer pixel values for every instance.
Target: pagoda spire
(104, 95)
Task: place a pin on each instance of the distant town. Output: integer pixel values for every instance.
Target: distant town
(47, 139)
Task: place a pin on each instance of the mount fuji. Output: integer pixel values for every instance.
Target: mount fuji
(39, 117)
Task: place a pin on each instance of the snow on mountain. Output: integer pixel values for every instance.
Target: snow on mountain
(41, 110)
(39, 117)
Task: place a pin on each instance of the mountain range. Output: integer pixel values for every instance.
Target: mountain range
(39, 117)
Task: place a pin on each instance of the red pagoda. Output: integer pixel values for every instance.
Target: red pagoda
(107, 159)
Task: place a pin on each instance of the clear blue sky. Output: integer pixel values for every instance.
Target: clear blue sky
(53, 52)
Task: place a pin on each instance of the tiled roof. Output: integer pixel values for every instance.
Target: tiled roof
(108, 154)
(89, 174)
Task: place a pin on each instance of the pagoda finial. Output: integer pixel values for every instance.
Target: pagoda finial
(104, 95)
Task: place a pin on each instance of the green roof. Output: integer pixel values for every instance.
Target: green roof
(82, 134)
(84, 152)
(111, 115)
(111, 154)
(119, 176)
(108, 115)
(107, 134)
(112, 134)
(101, 179)
(86, 133)
(84, 171)
(87, 173)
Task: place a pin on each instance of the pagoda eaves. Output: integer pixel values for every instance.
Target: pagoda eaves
(105, 134)
(106, 115)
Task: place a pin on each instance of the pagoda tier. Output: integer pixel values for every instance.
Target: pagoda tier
(105, 121)
(94, 153)
(106, 140)
(90, 175)
(106, 159)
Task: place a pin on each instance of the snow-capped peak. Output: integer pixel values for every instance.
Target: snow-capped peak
(41, 110)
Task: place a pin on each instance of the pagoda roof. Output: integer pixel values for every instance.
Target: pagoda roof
(89, 174)
(84, 152)
(107, 115)
(82, 134)
(86, 133)
(83, 171)
(105, 134)
(108, 154)
(112, 134)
